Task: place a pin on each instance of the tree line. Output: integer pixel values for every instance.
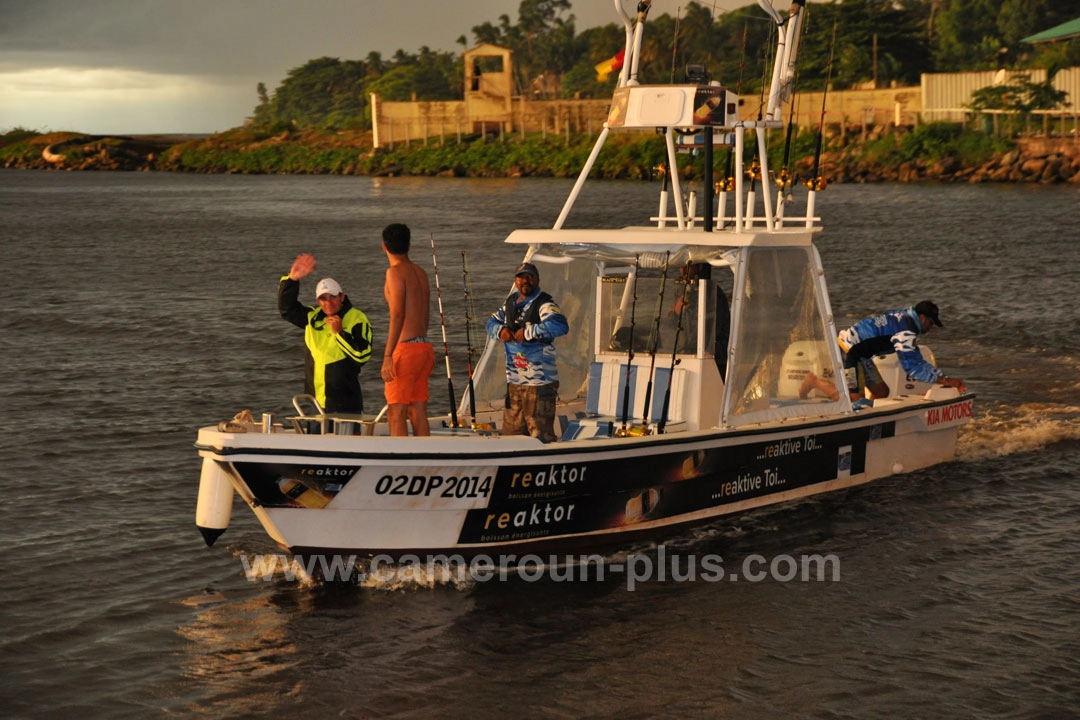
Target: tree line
(850, 42)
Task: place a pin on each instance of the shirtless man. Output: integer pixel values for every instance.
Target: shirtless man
(408, 358)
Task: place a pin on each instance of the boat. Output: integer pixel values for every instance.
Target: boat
(703, 377)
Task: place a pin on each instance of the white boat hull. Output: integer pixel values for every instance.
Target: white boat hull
(470, 495)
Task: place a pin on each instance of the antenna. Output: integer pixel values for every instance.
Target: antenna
(675, 43)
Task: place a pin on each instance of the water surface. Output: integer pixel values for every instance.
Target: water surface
(141, 306)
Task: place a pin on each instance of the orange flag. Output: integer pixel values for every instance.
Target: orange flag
(604, 69)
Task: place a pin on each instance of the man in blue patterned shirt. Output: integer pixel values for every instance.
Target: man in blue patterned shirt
(528, 324)
(895, 331)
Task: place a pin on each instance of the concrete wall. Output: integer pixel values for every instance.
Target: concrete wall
(409, 122)
(941, 96)
(891, 106)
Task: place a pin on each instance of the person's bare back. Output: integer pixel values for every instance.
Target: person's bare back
(408, 358)
(408, 295)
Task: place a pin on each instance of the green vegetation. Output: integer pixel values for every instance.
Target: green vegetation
(625, 156)
(1017, 100)
(16, 146)
(934, 142)
(350, 153)
(938, 151)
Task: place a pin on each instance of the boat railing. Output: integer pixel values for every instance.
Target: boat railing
(312, 419)
(724, 221)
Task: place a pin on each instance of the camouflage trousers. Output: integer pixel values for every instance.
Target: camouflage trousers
(530, 410)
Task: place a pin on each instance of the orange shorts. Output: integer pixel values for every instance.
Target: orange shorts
(413, 363)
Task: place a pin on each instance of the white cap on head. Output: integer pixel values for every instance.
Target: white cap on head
(327, 286)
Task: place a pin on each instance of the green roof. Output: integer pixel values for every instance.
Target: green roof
(1063, 31)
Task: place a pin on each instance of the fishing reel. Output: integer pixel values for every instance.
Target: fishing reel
(633, 431)
(481, 428)
(784, 179)
(816, 183)
(754, 171)
(725, 185)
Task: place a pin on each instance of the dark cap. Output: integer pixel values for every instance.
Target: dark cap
(527, 269)
(930, 310)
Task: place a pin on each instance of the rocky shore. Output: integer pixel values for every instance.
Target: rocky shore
(1033, 160)
(72, 151)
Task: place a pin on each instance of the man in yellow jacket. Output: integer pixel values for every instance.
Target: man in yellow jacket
(336, 334)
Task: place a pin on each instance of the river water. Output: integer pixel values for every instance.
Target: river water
(142, 306)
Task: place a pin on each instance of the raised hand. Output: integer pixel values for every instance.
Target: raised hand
(302, 266)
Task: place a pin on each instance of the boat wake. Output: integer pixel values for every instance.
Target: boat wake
(400, 578)
(412, 573)
(1027, 427)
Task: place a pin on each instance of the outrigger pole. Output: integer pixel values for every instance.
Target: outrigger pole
(446, 347)
(468, 333)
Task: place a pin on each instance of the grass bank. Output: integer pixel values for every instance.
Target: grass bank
(938, 152)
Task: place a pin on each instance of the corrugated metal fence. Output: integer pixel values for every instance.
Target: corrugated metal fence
(945, 96)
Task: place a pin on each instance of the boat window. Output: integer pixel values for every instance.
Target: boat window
(656, 319)
(718, 324)
(780, 337)
(571, 286)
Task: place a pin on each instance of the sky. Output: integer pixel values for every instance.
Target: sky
(191, 66)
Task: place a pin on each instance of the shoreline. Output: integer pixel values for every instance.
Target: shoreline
(243, 151)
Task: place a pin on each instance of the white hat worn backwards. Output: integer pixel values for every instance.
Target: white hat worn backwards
(327, 286)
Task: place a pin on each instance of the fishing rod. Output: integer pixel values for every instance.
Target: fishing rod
(675, 44)
(729, 175)
(469, 314)
(662, 214)
(674, 352)
(655, 340)
(630, 352)
(446, 347)
(815, 182)
(784, 167)
(787, 178)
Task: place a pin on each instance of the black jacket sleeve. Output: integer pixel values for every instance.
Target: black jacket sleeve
(288, 302)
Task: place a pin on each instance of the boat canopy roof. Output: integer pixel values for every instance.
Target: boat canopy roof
(684, 245)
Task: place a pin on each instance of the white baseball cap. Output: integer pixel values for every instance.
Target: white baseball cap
(327, 286)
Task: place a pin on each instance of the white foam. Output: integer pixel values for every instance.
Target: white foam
(1030, 426)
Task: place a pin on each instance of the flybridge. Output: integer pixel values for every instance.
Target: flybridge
(709, 109)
